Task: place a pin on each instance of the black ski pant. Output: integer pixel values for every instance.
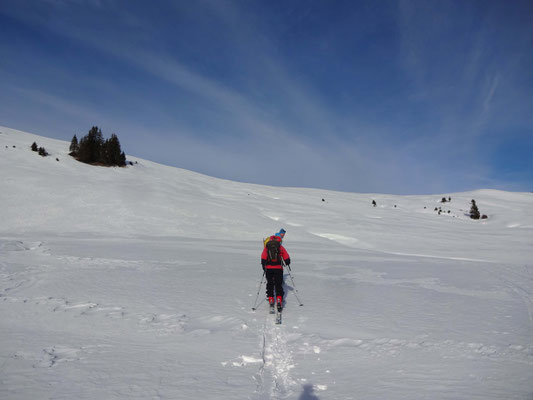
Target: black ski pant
(274, 280)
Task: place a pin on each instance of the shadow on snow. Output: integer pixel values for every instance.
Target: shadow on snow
(308, 393)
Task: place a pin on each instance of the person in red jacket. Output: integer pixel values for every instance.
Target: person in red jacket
(271, 260)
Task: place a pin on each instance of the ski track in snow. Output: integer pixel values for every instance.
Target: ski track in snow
(274, 376)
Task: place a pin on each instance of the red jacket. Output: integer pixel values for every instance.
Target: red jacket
(275, 265)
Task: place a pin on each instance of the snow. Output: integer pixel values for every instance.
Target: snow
(138, 283)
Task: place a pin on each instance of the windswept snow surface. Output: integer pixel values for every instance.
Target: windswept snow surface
(138, 283)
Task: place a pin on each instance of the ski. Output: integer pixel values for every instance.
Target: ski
(278, 315)
(272, 309)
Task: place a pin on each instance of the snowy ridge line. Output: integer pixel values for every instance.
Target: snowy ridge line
(79, 308)
(517, 285)
(160, 324)
(350, 242)
(90, 262)
(434, 256)
(14, 282)
(17, 245)
(377, 278)
(52, 356)
(390, 347)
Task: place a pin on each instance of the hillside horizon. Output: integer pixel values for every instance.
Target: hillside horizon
(55, 143)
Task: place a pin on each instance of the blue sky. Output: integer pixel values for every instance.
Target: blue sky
(405, 97)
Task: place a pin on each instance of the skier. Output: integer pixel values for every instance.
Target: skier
(271, 260)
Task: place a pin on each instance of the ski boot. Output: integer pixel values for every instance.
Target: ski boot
(271, 303)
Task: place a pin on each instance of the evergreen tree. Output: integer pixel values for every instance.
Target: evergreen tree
(34, 147)
(474, 211)
(90, 147)
(93, 149)
(74, 147)
(83, 150)
(112, 154)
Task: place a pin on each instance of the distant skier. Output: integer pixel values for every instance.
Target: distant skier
(280, 234)
(271, 260)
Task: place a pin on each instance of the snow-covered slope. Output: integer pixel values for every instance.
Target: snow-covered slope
(138, 282)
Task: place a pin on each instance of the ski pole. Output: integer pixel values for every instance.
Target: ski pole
(258, 290)
(293, 284)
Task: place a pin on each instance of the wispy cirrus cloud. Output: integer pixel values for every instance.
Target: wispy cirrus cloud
(318, 89)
